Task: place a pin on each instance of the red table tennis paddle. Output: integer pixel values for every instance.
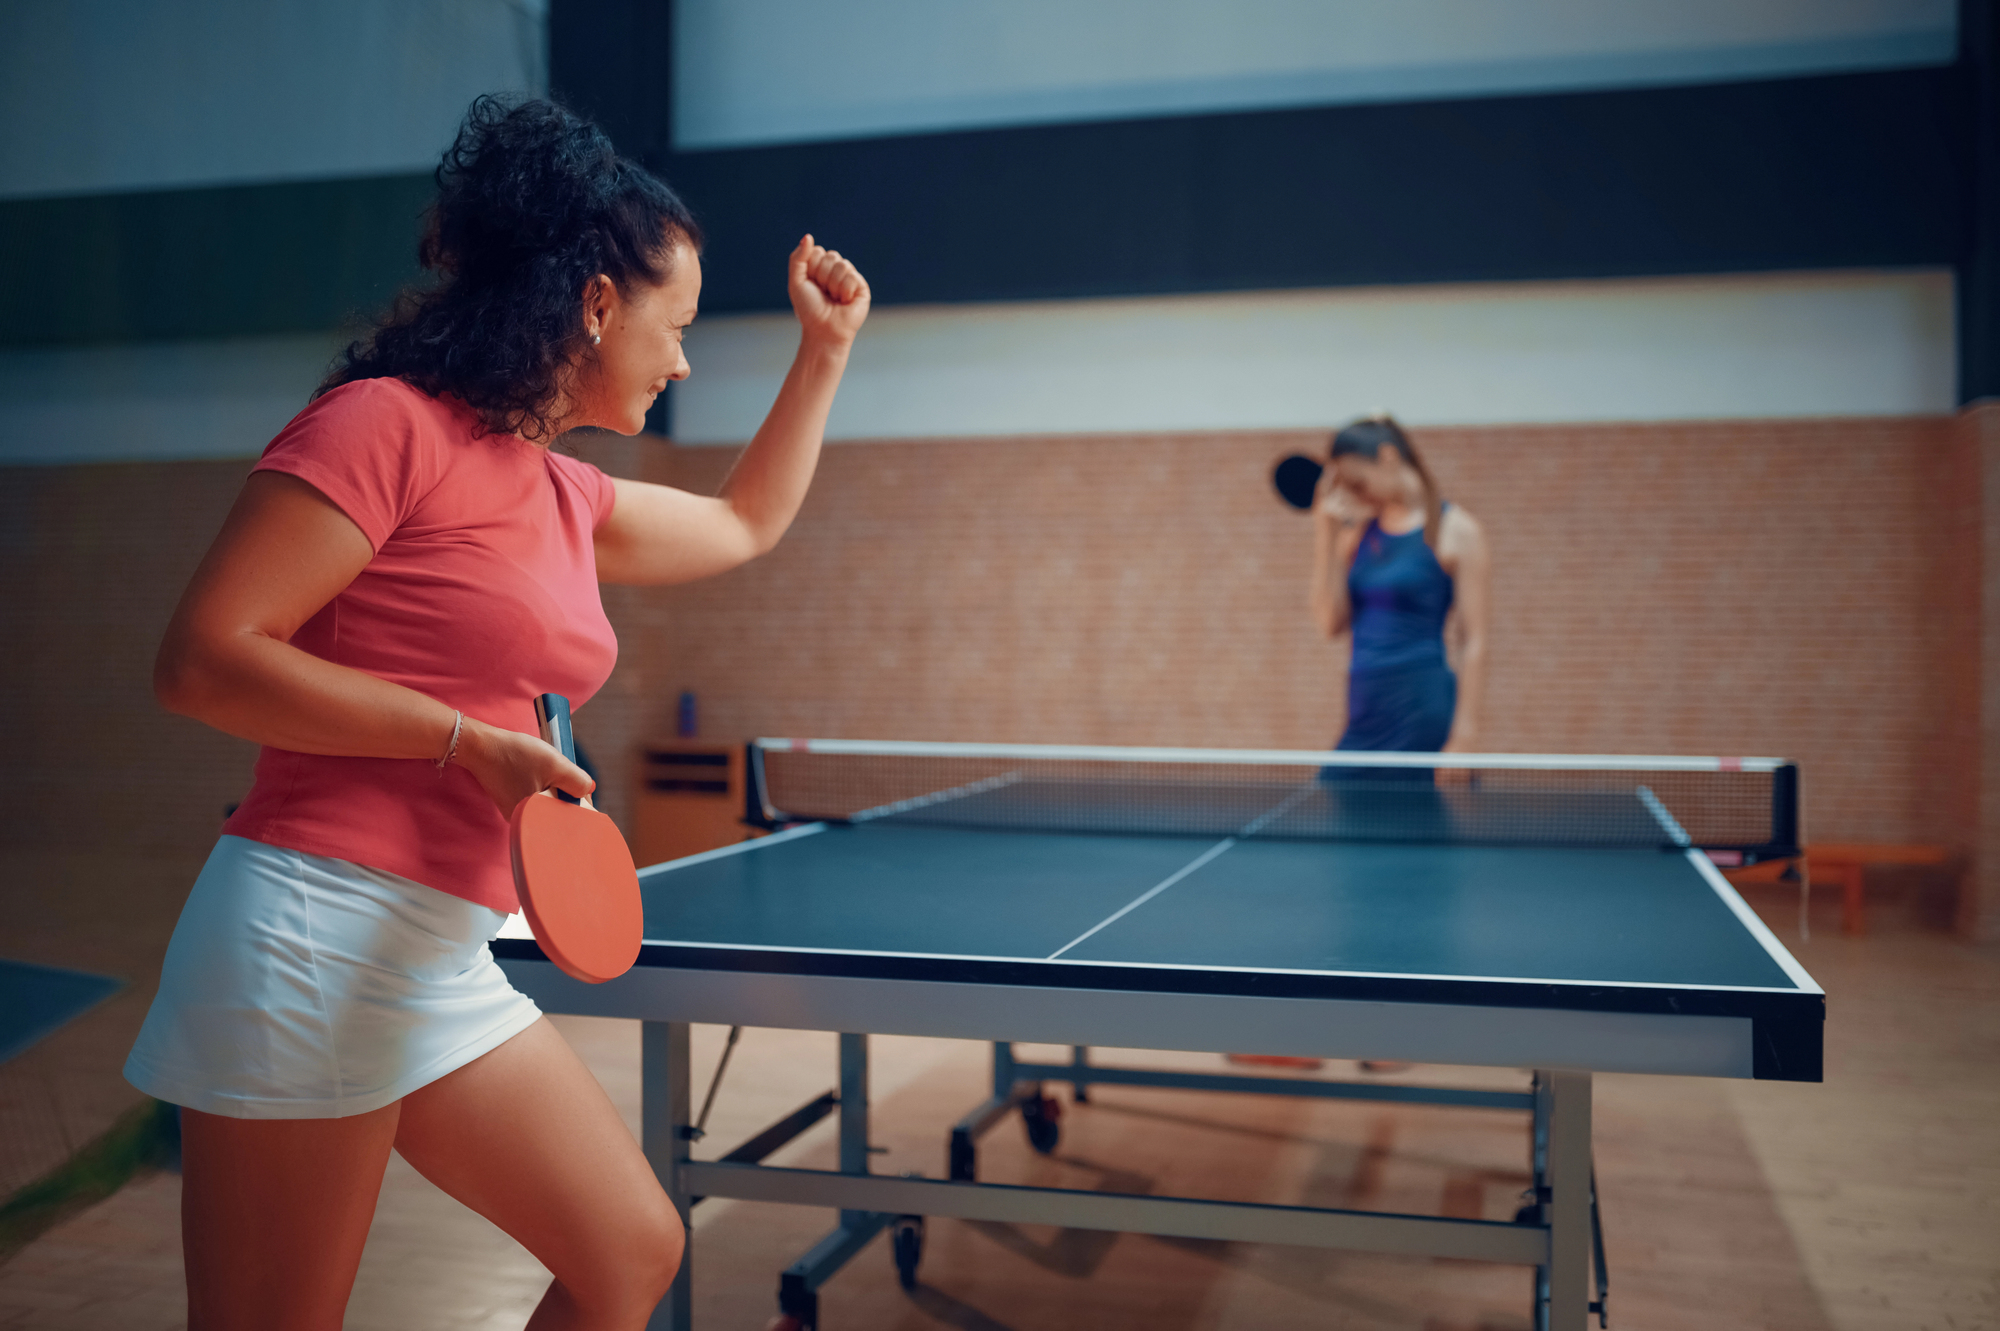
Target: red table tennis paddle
(573, 872)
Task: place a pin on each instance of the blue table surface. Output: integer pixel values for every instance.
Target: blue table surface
(37, 1000)
(1643, 916)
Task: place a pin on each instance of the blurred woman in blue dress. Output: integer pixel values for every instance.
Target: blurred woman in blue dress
(1405, 575)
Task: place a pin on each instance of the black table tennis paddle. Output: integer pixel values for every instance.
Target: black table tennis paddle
(1297, 479)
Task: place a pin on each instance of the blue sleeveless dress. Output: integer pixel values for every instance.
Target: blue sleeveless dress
(1401, 695)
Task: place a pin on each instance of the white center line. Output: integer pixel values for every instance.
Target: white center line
(1670, 824)
(1283, 807)
(1251, 829)
(1144, 897)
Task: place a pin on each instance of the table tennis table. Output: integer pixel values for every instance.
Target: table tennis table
(1558, 914)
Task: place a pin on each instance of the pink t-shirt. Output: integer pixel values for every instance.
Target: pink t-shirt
(482, 594)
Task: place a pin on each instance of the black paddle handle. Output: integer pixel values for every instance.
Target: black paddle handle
(552, 715)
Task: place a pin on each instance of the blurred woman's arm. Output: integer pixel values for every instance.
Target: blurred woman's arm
(1338, 522)
(1464, 552)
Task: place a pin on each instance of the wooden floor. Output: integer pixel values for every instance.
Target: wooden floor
(1872, 1201)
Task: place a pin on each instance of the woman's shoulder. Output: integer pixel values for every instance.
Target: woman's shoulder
(1459, 532)
(359, 414)
(383, 418)
(386, 397)
(381, 424)
(597, 488)
(1455, 516)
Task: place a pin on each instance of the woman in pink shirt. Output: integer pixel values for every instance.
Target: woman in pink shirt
(407, 567)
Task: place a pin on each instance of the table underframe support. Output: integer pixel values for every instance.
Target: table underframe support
(1081, 1074)
(1557, 1239)
(1015, 1082)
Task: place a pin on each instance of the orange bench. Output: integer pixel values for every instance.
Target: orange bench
(1845, 863)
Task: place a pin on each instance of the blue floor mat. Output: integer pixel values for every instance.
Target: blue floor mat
(36, 1000)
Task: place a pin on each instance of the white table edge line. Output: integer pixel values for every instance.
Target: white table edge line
(1813, 992)
(734, 848)
(1750, 920)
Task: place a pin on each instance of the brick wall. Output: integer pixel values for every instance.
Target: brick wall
(1979, 913)
(1811, 589)
(1808, 589)
(95, 559)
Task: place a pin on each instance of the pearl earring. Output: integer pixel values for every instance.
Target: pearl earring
(595, 339)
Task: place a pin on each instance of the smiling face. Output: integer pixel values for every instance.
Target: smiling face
(639, 352)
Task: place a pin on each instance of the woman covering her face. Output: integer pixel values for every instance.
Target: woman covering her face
(408, 566)
(1406, 575)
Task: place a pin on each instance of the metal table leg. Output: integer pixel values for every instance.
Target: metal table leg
(1564, 1190)
(666, 1133)
(962, 1151)
(798, 1287)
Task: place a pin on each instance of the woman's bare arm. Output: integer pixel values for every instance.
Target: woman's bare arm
(657, 534)
(1464, 550)
(1333, 551)
(227, 660)
(1339, 520)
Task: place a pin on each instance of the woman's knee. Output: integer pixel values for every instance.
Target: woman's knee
(664, 1244)
(637, 1267)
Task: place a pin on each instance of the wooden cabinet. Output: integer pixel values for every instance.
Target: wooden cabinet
(690, 799)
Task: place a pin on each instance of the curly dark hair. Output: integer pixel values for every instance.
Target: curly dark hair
(532, 204)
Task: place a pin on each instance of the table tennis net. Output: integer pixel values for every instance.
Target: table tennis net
(1747, 808)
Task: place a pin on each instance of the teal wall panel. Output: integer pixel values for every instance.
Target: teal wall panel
(234, 261)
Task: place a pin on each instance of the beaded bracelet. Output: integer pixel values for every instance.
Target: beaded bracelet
(451, 752)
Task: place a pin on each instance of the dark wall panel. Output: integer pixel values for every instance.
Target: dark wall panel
(612, 60)
(1979, 266)
(1854, 170)
(1860, 170)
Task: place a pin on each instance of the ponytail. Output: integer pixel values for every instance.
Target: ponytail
(1366, 437)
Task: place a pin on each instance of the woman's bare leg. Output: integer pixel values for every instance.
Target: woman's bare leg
(274, 1214)
(526, 1137)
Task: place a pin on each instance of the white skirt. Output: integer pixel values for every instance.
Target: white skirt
(300, 986)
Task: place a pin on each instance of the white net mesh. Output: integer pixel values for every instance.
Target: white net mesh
(1624, 802)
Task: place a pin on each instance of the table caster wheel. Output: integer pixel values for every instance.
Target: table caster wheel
(907, 1244)
(1042, 1116)
(798, 1307)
